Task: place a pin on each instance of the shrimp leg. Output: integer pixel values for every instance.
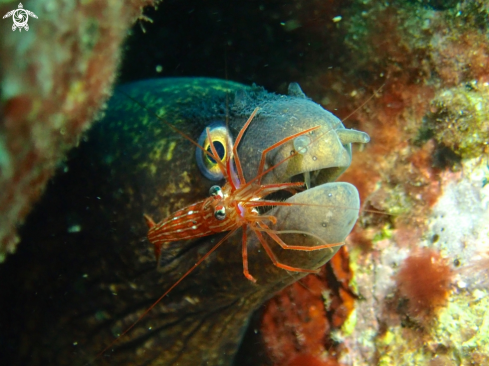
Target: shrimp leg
(245, 255)
(274, 236)
(274, 259)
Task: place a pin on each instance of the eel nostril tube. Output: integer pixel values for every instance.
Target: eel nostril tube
(351, 136)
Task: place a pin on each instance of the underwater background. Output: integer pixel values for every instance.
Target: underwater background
(411, 285)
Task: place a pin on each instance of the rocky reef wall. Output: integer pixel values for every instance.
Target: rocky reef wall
(55, 76)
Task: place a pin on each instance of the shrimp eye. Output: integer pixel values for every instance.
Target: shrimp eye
(221, 139)
(220, 212)
(215, 191)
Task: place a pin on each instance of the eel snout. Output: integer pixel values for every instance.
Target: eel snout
(315, 166)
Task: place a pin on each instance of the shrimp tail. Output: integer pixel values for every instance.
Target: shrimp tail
(149, 221)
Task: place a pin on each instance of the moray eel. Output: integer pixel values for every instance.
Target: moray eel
(84, 271)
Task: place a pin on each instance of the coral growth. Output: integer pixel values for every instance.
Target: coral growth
(54, 79)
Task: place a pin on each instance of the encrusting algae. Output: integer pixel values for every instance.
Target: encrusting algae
(459, 119)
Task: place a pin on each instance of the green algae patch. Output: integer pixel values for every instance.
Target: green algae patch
(460, 119)
(385, 233)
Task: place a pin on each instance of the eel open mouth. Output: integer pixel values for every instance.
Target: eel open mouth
(316, 166)
(316, 159)
(325, 211)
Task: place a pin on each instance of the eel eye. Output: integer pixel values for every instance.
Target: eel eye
(220, 212)
(216, 191)
(221, 139)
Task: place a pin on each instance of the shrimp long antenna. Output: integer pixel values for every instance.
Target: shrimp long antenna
(236, 143)
(204, 257)
(285, 203)
(364, 103)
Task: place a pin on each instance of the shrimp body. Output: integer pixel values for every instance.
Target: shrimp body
(194, 221)
(226, 209)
